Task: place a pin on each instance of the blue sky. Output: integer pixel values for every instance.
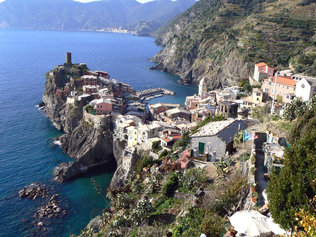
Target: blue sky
(142, 1)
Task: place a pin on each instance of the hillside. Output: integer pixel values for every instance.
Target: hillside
(72, 15)
(222, 39)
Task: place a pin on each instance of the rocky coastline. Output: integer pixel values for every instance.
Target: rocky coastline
(89, 144)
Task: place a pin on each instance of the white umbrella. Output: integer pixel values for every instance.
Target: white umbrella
(250, 223)
(275, 228)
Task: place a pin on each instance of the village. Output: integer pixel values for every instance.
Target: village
(216, 130)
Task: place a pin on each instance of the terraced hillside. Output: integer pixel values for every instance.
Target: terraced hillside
(222, 39)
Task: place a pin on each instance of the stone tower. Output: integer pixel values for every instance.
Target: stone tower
(202, 89)
(68, 59)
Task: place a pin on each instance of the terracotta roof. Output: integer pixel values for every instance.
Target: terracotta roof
(288, 81)
(261, 64)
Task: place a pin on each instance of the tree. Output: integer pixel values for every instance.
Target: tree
(295, 109)
(290, 190)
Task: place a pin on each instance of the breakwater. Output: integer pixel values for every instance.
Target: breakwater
(153, 93)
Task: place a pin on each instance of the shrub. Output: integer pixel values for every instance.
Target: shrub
(163, 153)
(192, 179)
(171, 185)
(144, 161)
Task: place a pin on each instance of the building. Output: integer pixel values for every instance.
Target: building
(121, 124)
(226, 95)
(213, 140)
(202, 89)
(284, 86)
(306, 88)
(89, 80)
(148, 131)
(262, 71)
(68, 62)
(132, 134)
(169, 137)
(178, 113)
(156, 109)
(228, 109)
(102, 106)
(258, 97)
(90, 89)
(192, 102)
(102, 74)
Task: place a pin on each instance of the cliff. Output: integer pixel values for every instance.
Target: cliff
(88, 144)
(221, 40)
(64, 116)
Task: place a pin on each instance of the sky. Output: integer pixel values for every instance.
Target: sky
(141, 1)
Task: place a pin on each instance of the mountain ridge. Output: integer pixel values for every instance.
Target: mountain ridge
(72, 15)
(221, 40)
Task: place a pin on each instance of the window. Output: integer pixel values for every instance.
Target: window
(201, 147)
(303, 86)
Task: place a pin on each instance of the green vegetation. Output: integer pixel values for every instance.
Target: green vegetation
(190, 181)
(156, 147)
(294, 186)
(171, 185)
(182, 143)
(200, 220)
(260, 112)
(89, 109)
(233, 35)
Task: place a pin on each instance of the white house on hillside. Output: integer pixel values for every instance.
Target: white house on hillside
(306, 88)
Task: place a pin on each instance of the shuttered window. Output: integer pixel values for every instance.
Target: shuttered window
(201, 147)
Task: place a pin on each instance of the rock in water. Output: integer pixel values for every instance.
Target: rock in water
(33, 191)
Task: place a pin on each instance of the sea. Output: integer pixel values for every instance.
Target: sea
(27, 152)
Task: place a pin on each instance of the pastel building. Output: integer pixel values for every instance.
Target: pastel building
(102, 106)
(90, 80)
(285, 87)
(262, 71)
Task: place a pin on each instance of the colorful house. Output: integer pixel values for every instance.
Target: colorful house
(102, 106)
(89, 80)
(283, 85)
(262, 71)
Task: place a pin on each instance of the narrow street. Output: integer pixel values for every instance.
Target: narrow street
(260, 168)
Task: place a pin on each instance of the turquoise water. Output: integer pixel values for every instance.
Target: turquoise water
(26, 151)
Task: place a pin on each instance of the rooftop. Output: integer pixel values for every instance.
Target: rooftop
(177, 110)
(261, 64)
(284, 80)
(213, 128)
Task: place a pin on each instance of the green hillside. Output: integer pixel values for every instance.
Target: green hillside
(222, 39)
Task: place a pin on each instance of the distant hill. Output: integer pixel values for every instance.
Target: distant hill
(72, 15)
(222, 39)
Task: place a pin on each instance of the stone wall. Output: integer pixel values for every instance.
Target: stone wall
(98, 120)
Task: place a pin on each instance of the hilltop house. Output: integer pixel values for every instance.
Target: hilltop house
(89, 80)
(213, 140)
(306, 88)
(285, 87)
(102, 106)
(262, 71)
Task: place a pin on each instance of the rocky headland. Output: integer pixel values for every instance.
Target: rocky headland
(88, 139)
